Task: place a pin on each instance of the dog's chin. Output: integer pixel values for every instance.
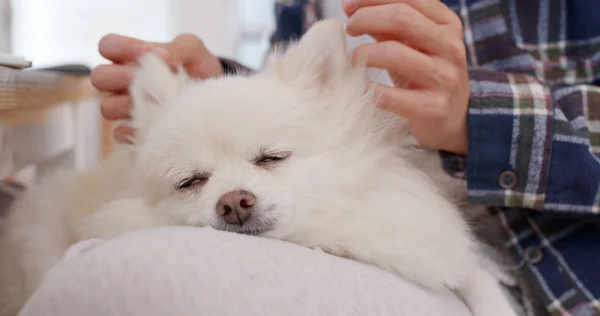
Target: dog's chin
(253, 228)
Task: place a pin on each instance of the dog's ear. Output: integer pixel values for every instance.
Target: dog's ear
(320, 56)
(153, 86)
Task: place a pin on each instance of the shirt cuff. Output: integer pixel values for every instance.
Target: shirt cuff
(510, 140)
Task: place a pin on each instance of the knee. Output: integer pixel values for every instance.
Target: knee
(189, 271)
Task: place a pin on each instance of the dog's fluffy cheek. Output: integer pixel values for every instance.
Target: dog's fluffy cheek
(299, 193)
(184, 210)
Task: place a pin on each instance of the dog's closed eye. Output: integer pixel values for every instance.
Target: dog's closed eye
(194, 181)
(269, 160)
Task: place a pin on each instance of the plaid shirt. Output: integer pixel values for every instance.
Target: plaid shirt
(534, 139)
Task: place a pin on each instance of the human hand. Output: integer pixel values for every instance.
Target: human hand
(185, 50)
(420, 42)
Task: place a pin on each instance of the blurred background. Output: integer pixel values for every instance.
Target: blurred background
(53, 32)
(49, 113)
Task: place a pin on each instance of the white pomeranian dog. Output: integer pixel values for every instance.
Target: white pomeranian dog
(297, 152)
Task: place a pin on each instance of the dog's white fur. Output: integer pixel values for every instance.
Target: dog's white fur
(349, 185)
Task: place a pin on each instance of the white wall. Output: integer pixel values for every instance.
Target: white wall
(238, 29)
(5, 21)
(256, 23)
(214, 21)
(51, 32)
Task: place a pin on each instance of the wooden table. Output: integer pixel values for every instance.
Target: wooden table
(37, 116)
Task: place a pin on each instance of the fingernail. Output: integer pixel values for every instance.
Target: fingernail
(350, 5)
(124, 134)
(142, 48)
(109, 43)
(162, 52)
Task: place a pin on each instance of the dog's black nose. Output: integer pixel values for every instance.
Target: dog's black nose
(236, 206)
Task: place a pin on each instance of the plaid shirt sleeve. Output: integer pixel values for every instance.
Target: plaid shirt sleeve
(533, 146)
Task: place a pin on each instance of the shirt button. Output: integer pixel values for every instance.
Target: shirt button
(508, 180)
(533, 255)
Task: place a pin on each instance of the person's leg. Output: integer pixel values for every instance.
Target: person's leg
(191, 271)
